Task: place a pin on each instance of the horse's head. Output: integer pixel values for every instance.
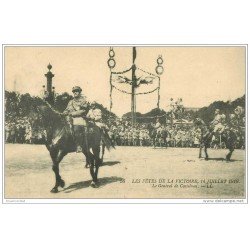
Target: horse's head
(39, 111)
(198, 122)
(92, 105)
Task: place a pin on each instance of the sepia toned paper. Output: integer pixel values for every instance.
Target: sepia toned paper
(194, 77)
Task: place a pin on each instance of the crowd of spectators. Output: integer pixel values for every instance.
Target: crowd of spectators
(19, 130)
(123, 134)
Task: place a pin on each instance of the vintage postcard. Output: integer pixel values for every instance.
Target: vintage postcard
(125, 122)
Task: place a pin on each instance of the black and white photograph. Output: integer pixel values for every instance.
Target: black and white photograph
(124, 125)
(125, 122)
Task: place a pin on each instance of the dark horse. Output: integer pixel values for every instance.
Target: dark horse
(228, 137)
(60, 141)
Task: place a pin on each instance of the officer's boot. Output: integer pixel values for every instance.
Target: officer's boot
(85, 138)
(78, 134)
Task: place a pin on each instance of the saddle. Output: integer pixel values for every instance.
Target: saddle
(70, 124)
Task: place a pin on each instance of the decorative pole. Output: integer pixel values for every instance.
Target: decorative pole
(134, 82)
(49, 76)
(159, 70)
(133, 88)
(111, 63)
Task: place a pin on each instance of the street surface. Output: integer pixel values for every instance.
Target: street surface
(128, 172)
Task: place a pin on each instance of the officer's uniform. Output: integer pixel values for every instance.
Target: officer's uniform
(73, 108)
(239, 116)
(237, 119)
(234, 122)
(219, 123)
(77, 108)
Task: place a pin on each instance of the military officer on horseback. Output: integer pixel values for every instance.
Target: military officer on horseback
(77, 108)
(218, 122)
(236, 121)
(237, 117)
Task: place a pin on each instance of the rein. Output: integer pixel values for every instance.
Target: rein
(52, 109)
(49, 118)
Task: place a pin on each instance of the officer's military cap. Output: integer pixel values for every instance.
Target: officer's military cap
(76, 88)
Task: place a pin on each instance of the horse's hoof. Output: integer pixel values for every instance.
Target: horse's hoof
(54, 190)
(94, 184)
(62, 183)
(206, 159)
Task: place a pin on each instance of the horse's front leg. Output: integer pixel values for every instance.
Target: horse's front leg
(228, 157)
(103, 152)
(200, 151)
(92, 171)
(206, 154)
(91, 163)
(56, 158)
(97, 160)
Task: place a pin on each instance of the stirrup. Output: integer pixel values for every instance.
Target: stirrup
(78, 149)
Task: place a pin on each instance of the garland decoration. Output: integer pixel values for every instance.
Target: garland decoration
(141, 93)
(122, 72)
(135, 82)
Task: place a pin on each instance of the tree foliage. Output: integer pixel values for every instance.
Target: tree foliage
(207, 113)
(20, 105)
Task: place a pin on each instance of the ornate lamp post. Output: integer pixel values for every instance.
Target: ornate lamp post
(50, 98)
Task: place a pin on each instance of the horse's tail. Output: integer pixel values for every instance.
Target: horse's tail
(107, 140)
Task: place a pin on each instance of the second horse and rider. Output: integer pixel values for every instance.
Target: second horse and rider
(223, 127)
(222, 123)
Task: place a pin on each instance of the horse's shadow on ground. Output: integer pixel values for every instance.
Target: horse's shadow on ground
(85, 184)
(219, 159)
(110, 163)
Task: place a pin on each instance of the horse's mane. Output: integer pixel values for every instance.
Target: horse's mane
(41, 101)
(200, 122)
(51, 108)
(51, 112)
